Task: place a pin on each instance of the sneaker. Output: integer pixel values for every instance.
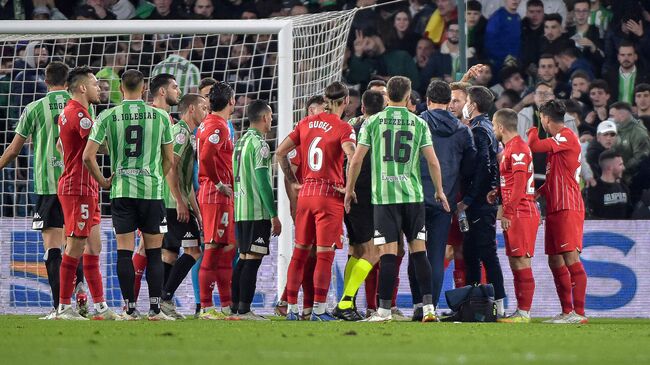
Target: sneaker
(134, 316)
(370, 312)
(516, 317)
(349, 314)
(417, 315)
(376, 317)
(212, 314)
(398, 315)
(429, 314)
(325, 317)
(292, 316)
(169, 308)
(70, 314)
(50, 315)
(573, 318)
(281, 308)
(306, 314)
(558, 318)
(251, 316)
(81, 299)
(160, 316)
(105, 315)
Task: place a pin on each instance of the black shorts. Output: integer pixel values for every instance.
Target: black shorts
(146, 215)
(181, 234)
(359, 224)
(253, 236)
(47, 212)
(393, 219)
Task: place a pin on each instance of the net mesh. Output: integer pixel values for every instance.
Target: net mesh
(249, 62)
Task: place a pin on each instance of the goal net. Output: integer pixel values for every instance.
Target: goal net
(284, 60)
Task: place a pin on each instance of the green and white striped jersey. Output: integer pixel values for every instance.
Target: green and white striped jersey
(39, 120)
(187, 75)
(184, 144)
(251, 153)
(395, 137)
(135, 133)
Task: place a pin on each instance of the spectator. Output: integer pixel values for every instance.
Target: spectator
(371, 57)
(421, 11)
(550, 7)
(445, 64)
(610, 198)
(46, 10)
(600, 17)
(177, 64)
(570, 61)
(630, 73)
(353, 108)
(547, 71)
(436, 28)
(401, 37)
(163, 10)
(29, 84)
(511, 79)
(123, 9)
(476, 24)
(599, 96)
(532, 32)
(298, 9)
(586, 36)
(642, 100)
(633, 140)
(423, 52)
(85, 12)
(203, 9)
(101, 9)
(508, 99)
(365, 18)
(114, 64)
(554, 40)
(503, 34)
(605, 140)
(631, 30)
(580, 88)
(104, 96)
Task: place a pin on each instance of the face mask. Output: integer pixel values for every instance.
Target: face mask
(466, 113)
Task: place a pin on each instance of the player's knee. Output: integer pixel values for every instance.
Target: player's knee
(555, 261)
(169, 256)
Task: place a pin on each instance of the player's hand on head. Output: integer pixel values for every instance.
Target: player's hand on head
(276, 226)
(182, 213)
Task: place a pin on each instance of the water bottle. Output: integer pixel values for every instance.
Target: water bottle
(462, 222)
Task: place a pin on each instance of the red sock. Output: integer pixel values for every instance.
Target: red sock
(94, 277)
(283, 297)
(524, 288)
(459, 273)
(224, 275)
(562, 279)
(207, 276)
(579, 285)
(308, 282)
(322, 275)
(139, 265)
(396, 286)
(67, 274)
(295, 273)
(447, 262)
(371, 287)
(483, 275)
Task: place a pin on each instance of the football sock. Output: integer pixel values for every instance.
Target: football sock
(501, 310)
(248, 283)
(319, 308)
(167, 270)
(139, 265)
(224, 274)
(126, 277)
(207, 276)
(155, 273)
(413, 284)
(387, 276)
(423, 274)
(357, 276)
(398, 263)
(372, 281)
(459, 273)
(524, 288)
(177, 273)
(348, 269)
(195, 281)
(295, 274)
(52, 265)
(283, 297)
(579, 285)
(93, 277)
(79, 277)
(562, 279)
(308, 282)
(235, 285)
(67, 274)
(322, 275)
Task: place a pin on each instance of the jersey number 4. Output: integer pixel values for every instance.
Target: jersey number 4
(399, 150)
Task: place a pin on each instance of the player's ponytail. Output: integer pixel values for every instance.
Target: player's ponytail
(335, 94)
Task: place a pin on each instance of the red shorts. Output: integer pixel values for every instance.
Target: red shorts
(563, 231)
(520, 237)
(218, 223)
(455, 236)
(80, 214)
(319, 220)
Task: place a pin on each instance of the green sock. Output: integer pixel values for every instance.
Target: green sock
(358, 275)
(348, 269)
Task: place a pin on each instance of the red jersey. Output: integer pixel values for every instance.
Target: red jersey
(215, 149)
(75, 124)
(563, 155)
(294, 158)
(517, 183)
(318, 139)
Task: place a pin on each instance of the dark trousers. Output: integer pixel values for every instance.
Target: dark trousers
(480, 246)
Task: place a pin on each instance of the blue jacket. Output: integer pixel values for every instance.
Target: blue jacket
(454, 146)
(580, 64)
(486, 168)
(502, 37)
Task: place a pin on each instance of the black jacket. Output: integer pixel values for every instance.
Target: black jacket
(454, 146)
(486, 168)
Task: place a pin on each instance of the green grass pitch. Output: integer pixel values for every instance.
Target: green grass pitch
(27, 340)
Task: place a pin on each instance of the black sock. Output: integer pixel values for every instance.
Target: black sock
(52, 264)
(247, 285)
(423, 273)
(126, 277)
(178, 273)
(414, 284)
(80, 271)
(387, 275)
(155, 273)
(167, 270)
(234, 285)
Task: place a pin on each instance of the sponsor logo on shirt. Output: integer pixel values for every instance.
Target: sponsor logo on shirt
(214, 138)
(394, 178)
(519, 158)
(133, 172)
(180, 138)
(558, 138)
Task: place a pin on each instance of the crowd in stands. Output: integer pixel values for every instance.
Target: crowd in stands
(594, 54)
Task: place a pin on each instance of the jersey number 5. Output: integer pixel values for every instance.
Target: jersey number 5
(133, 137)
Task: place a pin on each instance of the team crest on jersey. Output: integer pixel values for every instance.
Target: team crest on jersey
(180, 138)
(293, 153)
(264, 151)
(85, 123)
(214, 138)
(220, 232)
(353, 136)
(81, 225)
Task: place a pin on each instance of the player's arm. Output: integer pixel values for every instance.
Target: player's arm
(90, 161)
(291, 193)
(12, 151)
(434, 171)
(354, 168)
(281, 155)
(266, 193)
(207, 159)
(543, 145)
(182, 212)
(195, 207)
